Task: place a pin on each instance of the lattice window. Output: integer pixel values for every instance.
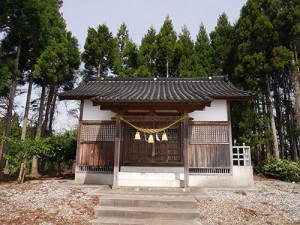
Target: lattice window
(241, 155)
(199, 134)
(98, 132)
(94, 169)
(208, 170)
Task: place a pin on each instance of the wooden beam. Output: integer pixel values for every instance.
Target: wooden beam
(144, 106)
(117, 153)
(186, 152)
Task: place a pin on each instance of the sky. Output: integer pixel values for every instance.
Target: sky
(139, 15)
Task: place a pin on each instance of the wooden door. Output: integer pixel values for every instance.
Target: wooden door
(161, 153)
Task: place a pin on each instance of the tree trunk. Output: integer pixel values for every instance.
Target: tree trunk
(47, 113)
(273, 126)
(35, 161)
(290, 118)
(167, 67)
(296, 86)
(265, 127)
(7, 131)
(278, 107)
(26, 112)
(41, 110)
(53, 109)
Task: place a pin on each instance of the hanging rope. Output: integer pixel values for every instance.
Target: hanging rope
(150, 130)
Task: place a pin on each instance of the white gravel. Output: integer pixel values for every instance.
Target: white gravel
(45, 202)
(49, 202)
(273, 202)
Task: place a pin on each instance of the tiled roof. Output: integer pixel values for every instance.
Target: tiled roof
(152, 90)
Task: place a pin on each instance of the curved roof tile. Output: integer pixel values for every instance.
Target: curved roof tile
(138, 90)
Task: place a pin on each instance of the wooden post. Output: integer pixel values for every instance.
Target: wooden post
(117, 153)
(186, 152)
(230, 136)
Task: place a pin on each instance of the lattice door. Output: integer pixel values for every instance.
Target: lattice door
(159, 153)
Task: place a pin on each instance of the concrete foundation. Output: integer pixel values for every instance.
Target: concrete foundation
(242, 176)
(94, 178)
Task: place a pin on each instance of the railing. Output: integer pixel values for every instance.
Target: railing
(95, 169)
(241, 155)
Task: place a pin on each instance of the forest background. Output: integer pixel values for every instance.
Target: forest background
(259, 53)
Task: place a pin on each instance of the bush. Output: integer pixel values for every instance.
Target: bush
(23, 152)
(56, 150)
(285, 170)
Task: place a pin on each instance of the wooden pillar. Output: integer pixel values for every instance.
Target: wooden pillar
(230, 136)
(186, 152)
(117, 153)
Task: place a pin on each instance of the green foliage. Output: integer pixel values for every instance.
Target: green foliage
(222, 39)
(148, 52)
(23, 151)
(264, 43)
(7, 70)
(166, 39)
(285, 170)
(63, 147)
(184, 50)
(99, 51)
(56, 149)
(204, 53)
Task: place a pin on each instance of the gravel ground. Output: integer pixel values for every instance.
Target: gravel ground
(53, 201)
(45, 202)
(273, 202)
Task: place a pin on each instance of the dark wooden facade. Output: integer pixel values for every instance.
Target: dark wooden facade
(208, 144)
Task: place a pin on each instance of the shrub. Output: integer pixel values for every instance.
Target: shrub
(285, 170)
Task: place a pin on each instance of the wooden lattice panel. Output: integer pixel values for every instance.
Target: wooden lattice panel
(97, 132)
(199, 134)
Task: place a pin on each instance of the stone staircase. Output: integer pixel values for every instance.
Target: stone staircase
(150, 208)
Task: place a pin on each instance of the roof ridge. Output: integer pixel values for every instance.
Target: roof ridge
(206, 78)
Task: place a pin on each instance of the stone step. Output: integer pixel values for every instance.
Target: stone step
(151, 176)
(140, 182)
(146, 212)
(129, 221)
(162, 201)
(151, 179)
(145, 169)
(117, 221)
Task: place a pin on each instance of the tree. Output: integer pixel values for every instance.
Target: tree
(16, 29)
(122, 41)
(204, 53)
(166, 39)
(148, 54)
(264, 64)
(126, 62)
(222, 43)
(99, 52)
(184, 50)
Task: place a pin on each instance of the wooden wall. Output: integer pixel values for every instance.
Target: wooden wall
(211, 155)
(209, 145)
(96, 147)
(98, 154)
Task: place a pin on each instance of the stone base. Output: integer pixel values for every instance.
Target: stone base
(242, 176)
(93, 178)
